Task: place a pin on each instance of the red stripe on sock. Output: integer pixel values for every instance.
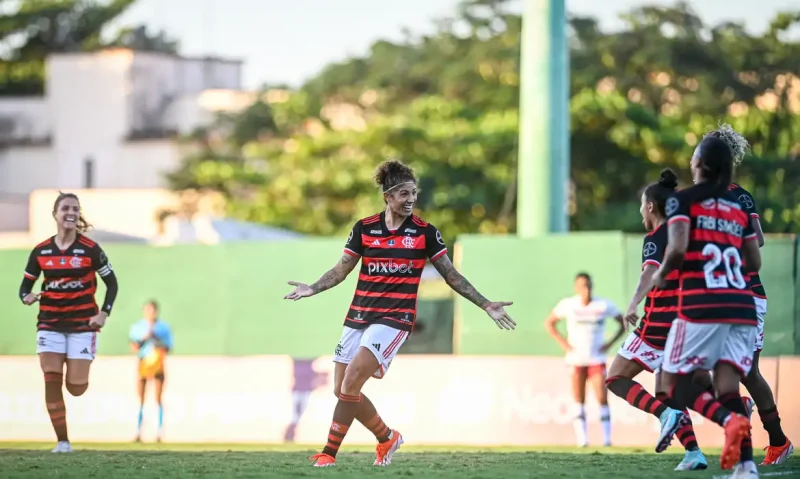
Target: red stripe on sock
(632, 393)
(706, 405)
(347, 398)
(339, 428)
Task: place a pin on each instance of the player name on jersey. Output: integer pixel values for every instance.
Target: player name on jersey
(713, 286)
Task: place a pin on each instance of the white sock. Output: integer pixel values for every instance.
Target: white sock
(579, 425)
(605, 419)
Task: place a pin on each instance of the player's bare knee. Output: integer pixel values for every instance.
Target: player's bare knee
(352, 383)
(622, 367)
(354, 379)
(77, 389)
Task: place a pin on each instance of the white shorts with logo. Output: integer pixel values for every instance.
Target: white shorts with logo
(382, 341)
(636, 350)
(75, 345)
(761, 311)
(693, 346)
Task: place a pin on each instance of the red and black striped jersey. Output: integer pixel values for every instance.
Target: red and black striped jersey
(391, 267)
(749, 206)
(713, 287)
(67, 299)
(661, 304)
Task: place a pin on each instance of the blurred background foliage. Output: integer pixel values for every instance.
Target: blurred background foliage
(447, 104)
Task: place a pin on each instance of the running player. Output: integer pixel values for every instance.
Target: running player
(69, 319)
(709, 234)
(151, 339)
(780, 447)
(585, 349)
(643, 350)
(393, 246)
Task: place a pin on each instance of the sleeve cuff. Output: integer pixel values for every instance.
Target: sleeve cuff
(651, 262)
(678, 218)
(439, 254)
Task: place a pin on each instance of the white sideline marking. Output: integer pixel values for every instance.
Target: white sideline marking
(764, 474)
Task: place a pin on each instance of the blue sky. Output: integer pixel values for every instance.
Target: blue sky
(288, 41)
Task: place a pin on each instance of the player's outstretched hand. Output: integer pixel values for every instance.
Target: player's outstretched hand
(497, 312)
(30, 298)
(301, 290)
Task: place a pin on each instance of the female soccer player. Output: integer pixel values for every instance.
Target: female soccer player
(780, 447)
(643, 350)
(709, 239)
(586, 348)
(393, 246)
(69, 318)
(151, 339)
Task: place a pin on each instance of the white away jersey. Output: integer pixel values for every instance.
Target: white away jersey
(586, 326)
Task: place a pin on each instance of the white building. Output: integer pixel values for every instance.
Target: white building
(110, 120)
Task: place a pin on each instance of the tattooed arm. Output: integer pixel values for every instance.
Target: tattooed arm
(335, 275)
(454, 279)
(331, 278)
(458, 282)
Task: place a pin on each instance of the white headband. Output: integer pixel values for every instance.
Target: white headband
(399, 184)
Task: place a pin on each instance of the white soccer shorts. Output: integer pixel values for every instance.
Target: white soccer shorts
(693, 346)
(636, 350)
(382, 341)
(75, 345)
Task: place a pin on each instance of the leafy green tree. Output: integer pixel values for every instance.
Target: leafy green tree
(447, 103)
(37, 28)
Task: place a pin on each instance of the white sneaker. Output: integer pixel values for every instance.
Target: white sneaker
(62, 446)
(745, 470)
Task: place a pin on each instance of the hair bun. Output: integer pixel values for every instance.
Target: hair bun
(392, 172)
(668, 179)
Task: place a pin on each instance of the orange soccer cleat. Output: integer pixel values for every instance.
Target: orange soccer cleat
(385, 451)
(323, 460)
(736, 429)
(778, 454)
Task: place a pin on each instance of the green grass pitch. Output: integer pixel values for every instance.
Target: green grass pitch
(160, 461)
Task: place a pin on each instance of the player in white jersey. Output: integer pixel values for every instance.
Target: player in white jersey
(585, 347)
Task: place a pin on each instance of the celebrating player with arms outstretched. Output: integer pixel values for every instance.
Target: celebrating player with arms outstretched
(643, 350)
(393, 246)
(780, 447)
(69, 318)
(709, 236)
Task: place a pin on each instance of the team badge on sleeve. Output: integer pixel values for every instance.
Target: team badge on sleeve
(746, 201)
(671, 206)
(649, 249)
